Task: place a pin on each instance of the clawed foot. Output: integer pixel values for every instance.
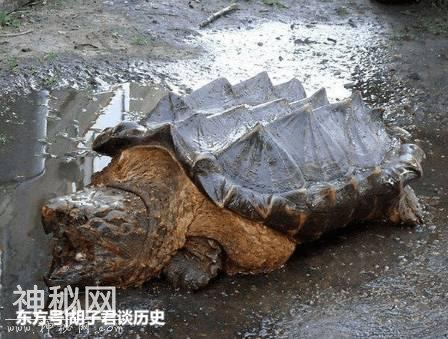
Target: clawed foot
(195, 265)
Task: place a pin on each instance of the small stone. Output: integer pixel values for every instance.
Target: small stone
(414, 76)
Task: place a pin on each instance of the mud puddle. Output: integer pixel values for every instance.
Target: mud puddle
(320, 55)
(45, 152)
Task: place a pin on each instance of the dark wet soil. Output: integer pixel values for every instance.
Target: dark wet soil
(369, 280)
(88, 43)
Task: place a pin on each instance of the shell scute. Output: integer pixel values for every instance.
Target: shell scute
(271, 154)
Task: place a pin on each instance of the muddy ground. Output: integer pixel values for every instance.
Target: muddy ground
(369, 280)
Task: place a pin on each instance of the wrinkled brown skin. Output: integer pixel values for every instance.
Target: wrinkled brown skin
(92, 242)
(144, 216)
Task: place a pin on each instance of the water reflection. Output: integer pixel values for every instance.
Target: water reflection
(22, 136)
(53, 142)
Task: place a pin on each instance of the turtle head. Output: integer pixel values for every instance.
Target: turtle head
(124, 229)
(100, 235)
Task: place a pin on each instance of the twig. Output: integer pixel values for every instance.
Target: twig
(12, 35)
(26, 4)
(219, 14)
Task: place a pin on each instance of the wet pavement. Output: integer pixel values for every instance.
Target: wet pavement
(368, 280)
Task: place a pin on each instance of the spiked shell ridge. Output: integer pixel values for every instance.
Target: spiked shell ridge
(271, 154)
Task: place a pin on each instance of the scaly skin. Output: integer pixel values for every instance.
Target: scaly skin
(109, 235)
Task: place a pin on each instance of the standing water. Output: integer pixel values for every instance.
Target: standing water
(45, 141)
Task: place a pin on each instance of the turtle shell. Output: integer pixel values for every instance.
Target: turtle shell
(271, 154)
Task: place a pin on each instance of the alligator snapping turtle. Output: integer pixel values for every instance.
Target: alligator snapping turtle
(229, 178)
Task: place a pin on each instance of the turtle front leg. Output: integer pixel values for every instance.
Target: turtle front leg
(143, 216)
(198, 262)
